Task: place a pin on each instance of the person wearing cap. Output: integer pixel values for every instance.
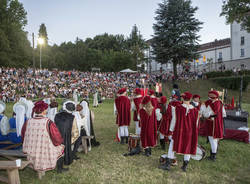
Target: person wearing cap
(4, 123)
(183, 132)
(166, 111)
(136, 107)
(148, 121)
(196, 101)
(215, 112)
(153, 98)
(174, 101)
(122, 109)
(66, 123)
(42, 141)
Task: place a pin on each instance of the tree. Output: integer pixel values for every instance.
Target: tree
(175, 32)
(136, 45)
(43, 33)
(14, 46)
(237, 10)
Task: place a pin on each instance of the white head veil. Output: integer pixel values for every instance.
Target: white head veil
(85, 113)
(20, 111)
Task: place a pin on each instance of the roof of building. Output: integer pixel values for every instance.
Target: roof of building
(214, 44)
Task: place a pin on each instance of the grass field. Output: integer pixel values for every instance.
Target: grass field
(106, 163)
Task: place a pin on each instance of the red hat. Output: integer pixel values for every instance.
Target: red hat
(196, 96)
(121, 91)
(163, 100)
(213, 94)
(151, 92)
(39, 107)
(186, 96)
(137, 91)
(145, 100)
(175, 96)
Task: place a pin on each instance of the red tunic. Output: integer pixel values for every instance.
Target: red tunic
(137, 102)
(215, 127)
(148, 128)
(123, 107)
(165, 121)
(154, 102)
(185, 134)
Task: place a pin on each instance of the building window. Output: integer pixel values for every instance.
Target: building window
(220, 55)
(242, 52)
(242, 40)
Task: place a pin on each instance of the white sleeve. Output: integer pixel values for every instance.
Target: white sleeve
(173, 121)
(133, 106)
(209, 112)
(158, 114)
(4, 125)
(203, 109)
(115, 110)
(224, 114)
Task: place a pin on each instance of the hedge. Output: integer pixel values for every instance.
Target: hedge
(228, 73)
(232, 82)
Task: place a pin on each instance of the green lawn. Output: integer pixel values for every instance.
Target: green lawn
(106, 163)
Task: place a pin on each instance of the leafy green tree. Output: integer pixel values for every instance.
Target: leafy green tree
(14, 46)
(175, 32)
(42, 33)
(136, 45)
(237, 10)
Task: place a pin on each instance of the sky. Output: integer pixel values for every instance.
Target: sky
(67, 19)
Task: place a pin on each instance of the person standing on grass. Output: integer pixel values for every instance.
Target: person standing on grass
(122, 109)
(42, 141)
(166, 111)
(196, 101)
(136, 107)
(153, 98)
(148, 121)
(215, 112)
(183, 132)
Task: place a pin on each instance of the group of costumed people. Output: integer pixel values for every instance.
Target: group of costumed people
(49, 138)
(176, 122)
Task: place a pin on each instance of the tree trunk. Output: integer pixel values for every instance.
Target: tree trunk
(175, 69)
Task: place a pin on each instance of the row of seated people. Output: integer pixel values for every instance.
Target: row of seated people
(49, 138)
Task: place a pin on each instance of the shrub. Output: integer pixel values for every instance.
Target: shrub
(232, 82)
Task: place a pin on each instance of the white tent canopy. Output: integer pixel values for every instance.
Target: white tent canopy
(128, 71)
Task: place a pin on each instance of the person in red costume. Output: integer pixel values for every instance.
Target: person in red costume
(136, 107)
(215, 112)
(183, 132)
(42, 141)
(166, 112)
(148, 121)
(153, 98)
(174, 101)
(196, 101)
(122, 110)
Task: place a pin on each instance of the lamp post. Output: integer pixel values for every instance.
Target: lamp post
(40, 42)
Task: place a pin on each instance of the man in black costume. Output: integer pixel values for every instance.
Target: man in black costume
(67, 126)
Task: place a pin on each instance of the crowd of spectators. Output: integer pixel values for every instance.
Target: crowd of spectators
(61, 84)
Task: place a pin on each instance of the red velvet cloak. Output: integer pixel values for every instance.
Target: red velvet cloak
(165, 121)
(174, 103)
(185, 134)
(148, 128)
(123, 107)
(137, 102)
(154, 102)
(215, 127)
